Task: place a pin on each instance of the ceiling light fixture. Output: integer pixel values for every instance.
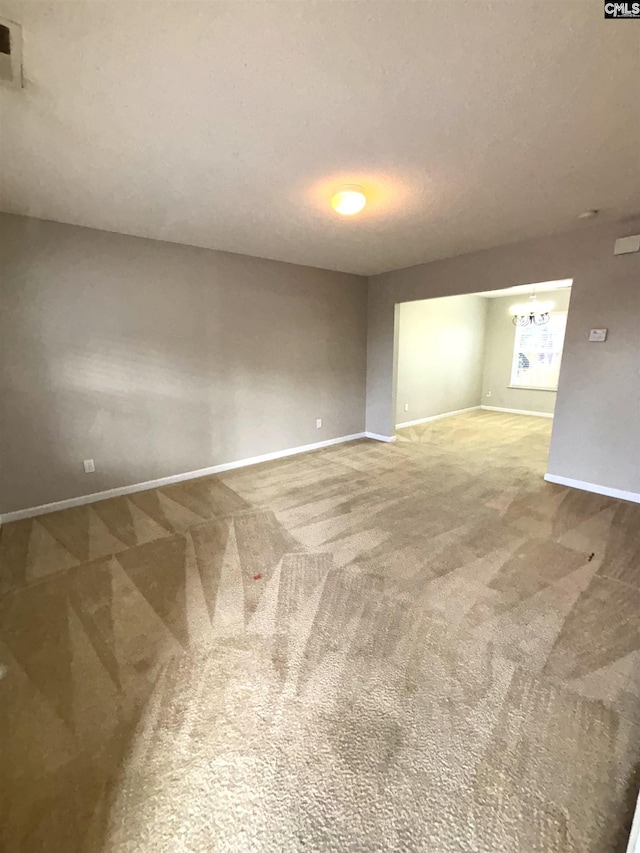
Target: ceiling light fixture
(532, 313)
(588, 214)
(348, 200)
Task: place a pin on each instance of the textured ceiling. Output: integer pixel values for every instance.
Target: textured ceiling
(228, 125)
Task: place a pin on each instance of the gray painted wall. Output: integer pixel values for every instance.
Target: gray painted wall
(155, 359)
(498, 356)
(596, 431)
(440, 356)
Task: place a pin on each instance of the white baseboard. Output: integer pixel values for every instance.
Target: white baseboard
(517, 412)
(594, 487)
(436, 417)
(30, 512)
(376, 437)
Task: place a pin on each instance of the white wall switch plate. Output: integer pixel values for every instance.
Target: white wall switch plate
(89, 466)
(488, 394)
(319, 423)
(406, 407)
(598, 335)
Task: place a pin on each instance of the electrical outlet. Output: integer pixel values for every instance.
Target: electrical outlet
(89, 466)
(318, 423)
(406, 407)
(488, 393)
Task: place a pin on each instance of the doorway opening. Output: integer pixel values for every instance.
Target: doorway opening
(482, 369)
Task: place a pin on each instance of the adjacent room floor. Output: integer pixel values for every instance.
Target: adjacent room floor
(418, 646)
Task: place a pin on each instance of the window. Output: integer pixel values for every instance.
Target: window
(537, 353)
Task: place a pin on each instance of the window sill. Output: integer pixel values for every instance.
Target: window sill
(531, 388)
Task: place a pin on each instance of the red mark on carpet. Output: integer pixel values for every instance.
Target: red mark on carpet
(257, 577)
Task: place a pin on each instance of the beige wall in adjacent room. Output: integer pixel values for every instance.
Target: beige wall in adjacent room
(596, 435)
(440, 356)
(155, 359)
(498, 356)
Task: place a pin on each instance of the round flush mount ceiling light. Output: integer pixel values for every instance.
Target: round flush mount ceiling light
(348, 200)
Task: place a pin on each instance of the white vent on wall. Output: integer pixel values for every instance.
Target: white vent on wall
(10, 53)
(626, 245)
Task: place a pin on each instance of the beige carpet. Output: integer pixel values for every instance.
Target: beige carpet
(420, 646)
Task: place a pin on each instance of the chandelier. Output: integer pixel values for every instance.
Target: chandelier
(531, 313)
